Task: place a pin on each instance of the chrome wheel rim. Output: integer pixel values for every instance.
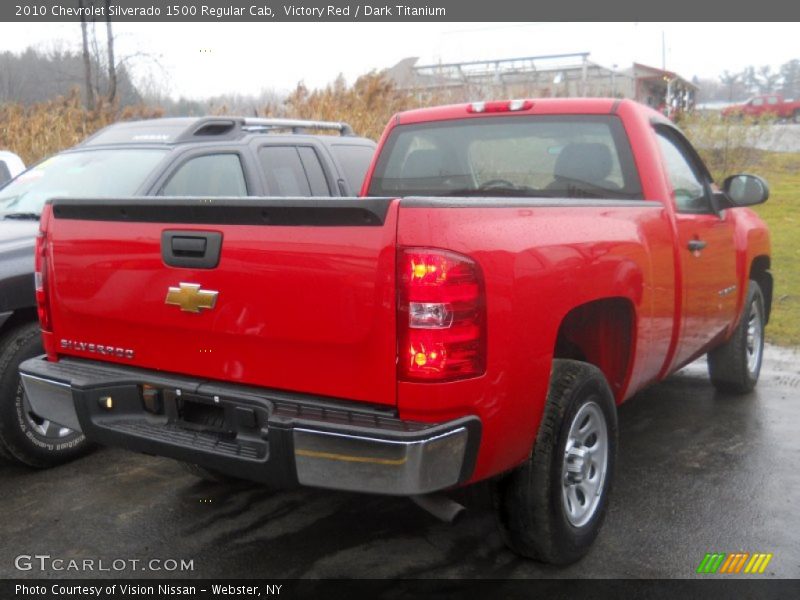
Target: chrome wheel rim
(583, 472)
(754, 343)
(43, 427)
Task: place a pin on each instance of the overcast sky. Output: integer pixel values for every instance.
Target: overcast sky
(206, 59)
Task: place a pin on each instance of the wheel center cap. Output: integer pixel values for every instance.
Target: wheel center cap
(579, 464)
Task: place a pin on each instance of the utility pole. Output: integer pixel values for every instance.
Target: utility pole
(663, 51)
(614, 80)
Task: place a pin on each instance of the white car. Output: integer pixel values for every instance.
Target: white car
(11, 165)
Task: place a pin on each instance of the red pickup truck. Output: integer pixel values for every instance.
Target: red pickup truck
(771, 105)
(514, 272)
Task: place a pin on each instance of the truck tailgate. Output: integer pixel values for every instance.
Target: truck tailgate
(304, 290)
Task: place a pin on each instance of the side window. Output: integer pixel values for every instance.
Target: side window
(209, 175)
(772, 100)
(758, 101)
(688, 187)
(354, 161)
(314, 172)
(284, 171)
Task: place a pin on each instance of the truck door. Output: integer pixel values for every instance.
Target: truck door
(706, 251)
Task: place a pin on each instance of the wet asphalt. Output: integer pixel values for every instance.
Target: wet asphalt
(697, 472)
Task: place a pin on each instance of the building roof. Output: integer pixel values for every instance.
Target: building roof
(640, 71)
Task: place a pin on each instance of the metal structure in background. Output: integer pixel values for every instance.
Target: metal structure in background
(551, 75)
(508, 73)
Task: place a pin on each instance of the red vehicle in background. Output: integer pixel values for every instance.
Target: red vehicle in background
(516, 271)
(768, 105)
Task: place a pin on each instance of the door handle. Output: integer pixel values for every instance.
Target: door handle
(191, 249)
(189, 246)
(696, 245)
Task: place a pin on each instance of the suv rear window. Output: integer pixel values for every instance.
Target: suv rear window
(575, 156)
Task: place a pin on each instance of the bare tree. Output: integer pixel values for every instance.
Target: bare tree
(112, 66)
(767, 79)
(750, 80)
(730, 80)
(790, 72)
(87, 62)
(111, 70)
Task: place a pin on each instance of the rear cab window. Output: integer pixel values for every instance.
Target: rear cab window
(569, 156)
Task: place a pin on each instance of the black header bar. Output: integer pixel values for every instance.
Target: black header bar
(268, 11)
(335, 589)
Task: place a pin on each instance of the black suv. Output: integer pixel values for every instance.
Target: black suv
(207, 156)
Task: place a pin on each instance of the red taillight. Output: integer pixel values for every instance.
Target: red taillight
(441, 316)
(41, 266)
(500, 106)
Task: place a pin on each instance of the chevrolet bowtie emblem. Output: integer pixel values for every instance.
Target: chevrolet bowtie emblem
(191, 298)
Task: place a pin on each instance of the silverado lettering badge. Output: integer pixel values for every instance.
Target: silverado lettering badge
(97, 348)
(191, 298)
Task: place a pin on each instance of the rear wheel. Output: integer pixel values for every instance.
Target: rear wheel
(735, 366)
(796, 116)
(552, 507)
(25, 437)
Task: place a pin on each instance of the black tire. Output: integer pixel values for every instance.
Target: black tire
(21, 440)
(730, 366)
(530, 502)
(796, 116)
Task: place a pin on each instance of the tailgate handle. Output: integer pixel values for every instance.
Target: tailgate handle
(189, 246)
(191, 249)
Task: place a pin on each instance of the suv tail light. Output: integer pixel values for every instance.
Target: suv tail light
(41, 267)
(441, 316)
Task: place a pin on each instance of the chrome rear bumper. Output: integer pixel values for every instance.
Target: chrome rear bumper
(268, 436)
(345, 461)
(51, 400)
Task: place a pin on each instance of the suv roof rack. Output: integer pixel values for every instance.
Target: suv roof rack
(296, 125)
(186, 129)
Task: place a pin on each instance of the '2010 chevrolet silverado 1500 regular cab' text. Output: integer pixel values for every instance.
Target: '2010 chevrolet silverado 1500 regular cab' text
(513, 272)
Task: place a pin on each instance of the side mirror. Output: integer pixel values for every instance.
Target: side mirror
(745, 190)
